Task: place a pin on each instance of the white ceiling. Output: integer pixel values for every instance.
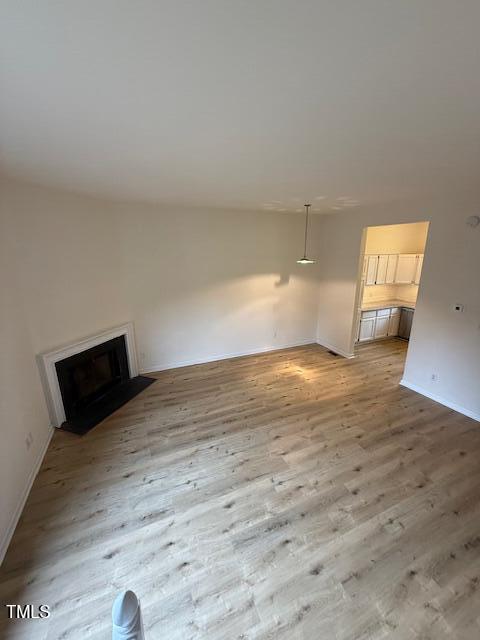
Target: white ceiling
(243, 103)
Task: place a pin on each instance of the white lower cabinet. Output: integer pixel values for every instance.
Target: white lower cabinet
(381, 323)
(367, 329)
(381, 326)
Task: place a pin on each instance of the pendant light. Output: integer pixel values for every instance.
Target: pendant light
(306, 260)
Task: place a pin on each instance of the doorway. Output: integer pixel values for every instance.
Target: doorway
(389, 280)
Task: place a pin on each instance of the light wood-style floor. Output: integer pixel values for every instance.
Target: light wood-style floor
(288, 496)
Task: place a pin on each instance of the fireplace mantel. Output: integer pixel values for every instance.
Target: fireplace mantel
(47, 361)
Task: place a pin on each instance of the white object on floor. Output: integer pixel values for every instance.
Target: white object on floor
(127, 617)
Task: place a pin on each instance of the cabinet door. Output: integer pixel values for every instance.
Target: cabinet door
(364, 268)
(371, 270)
(418, 269)
(393, 323)
(381, 327)
(406, 267)
(391, 268)
(382, 270)
(383, 312)
(367, 329)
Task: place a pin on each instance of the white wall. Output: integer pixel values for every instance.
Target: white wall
(397, 238)
(206, 284)
(442, 342)
(22, 405)
(198, 285)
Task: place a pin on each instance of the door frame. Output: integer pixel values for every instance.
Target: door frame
(357, 309)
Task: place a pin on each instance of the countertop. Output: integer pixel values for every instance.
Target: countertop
(385, 304)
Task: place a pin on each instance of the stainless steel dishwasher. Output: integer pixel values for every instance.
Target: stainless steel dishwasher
(405, 326)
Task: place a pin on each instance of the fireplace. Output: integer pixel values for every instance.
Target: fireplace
(87, 381)
(87, 377)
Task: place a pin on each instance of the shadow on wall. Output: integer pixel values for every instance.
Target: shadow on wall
(283, 280)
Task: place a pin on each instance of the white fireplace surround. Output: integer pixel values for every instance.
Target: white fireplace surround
(48, 360)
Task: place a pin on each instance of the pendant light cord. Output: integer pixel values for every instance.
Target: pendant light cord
(307, 207)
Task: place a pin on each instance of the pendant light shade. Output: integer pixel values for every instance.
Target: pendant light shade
(306, 260)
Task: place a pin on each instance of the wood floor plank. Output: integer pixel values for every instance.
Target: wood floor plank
(293, 494)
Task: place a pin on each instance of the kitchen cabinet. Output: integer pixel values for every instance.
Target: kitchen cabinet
(382, 265)
(418, 269)
(406, 268)
(381, 326)
(371, 275)
(383, 323)
(391, 268)
(367, 329)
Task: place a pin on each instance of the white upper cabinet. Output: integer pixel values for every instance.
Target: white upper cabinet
(391, 268)
(418, 270)
(403, 268)
(406, 268)
(372, 264)
(382, 270)
(364, 269)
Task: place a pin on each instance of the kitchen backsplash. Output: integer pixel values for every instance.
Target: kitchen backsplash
(406, 292)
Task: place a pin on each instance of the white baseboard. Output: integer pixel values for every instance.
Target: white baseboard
(164, 366)
(440, 400)
(7, 535)
(340, 352)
